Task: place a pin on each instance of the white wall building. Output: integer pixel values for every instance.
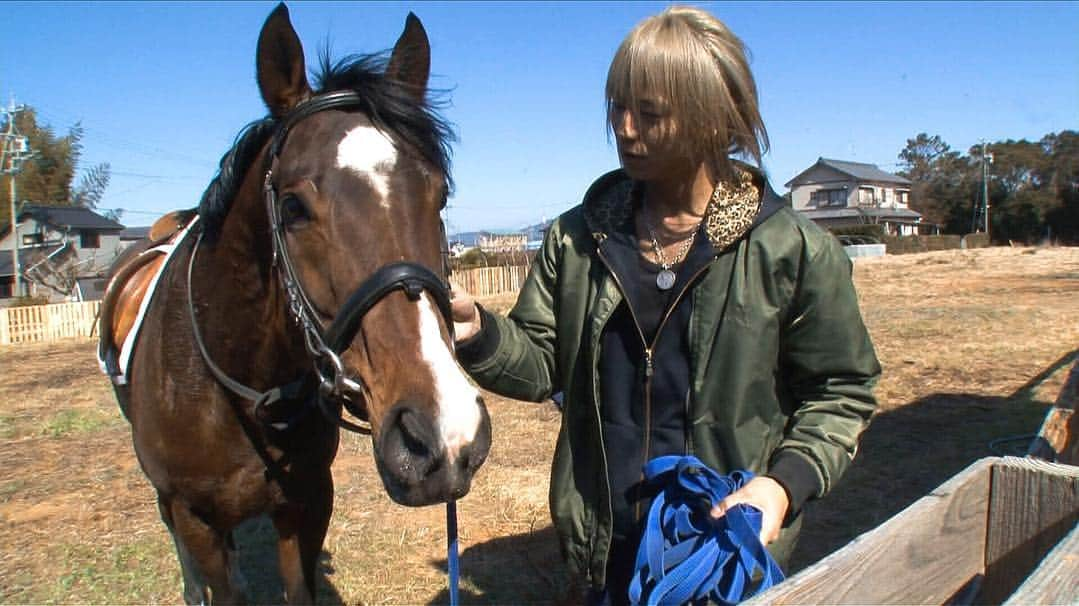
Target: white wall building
(61, 249)
(836, 193)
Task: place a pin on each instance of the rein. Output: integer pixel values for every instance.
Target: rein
(325, 346)
(686, 555)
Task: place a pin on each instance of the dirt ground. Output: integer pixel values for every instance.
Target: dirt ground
(975, 346)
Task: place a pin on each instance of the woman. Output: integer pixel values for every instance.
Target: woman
(682, 308)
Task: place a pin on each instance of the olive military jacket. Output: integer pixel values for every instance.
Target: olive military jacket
(781, 363)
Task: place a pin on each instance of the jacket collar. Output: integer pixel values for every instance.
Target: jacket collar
(740, 207)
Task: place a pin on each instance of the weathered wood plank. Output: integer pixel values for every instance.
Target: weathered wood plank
(1058, 439)
(1032, 504)
(923, 555)
(1056, 580)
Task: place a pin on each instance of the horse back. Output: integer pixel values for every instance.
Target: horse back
(129, 283)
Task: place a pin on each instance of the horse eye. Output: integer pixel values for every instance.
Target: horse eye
(294, 212)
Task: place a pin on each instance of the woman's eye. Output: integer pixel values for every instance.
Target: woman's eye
(294, 212)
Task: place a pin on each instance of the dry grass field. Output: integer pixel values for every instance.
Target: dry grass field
(974, 344)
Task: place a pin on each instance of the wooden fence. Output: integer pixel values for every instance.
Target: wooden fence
(47, 322)
(485, 281)
(39, 323)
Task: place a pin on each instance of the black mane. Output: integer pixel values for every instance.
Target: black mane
(388, 104)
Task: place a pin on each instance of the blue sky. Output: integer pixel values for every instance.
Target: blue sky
(163, 88)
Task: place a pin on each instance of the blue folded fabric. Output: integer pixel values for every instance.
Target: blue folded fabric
(686, 555)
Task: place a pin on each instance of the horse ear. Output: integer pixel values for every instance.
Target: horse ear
(282, 75)
(410, 63)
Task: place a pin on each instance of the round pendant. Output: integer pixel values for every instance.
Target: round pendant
(665, 279)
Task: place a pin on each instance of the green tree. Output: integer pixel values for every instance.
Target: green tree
(1033, 186)
(92, 186)
(941, 182)
(1063, 219)
(48, 176)
(1019, 190)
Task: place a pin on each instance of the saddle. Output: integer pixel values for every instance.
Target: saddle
(131, 280)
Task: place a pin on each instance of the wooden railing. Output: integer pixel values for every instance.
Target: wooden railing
(39, 323)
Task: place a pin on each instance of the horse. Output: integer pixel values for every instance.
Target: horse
(310, 285)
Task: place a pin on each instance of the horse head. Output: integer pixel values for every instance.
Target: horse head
(356, 174)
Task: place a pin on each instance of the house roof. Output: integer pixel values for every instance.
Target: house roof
(135, 233)
(72, 217)
(859, 170)
(844, 213)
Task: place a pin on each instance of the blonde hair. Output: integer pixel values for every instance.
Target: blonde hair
(699, 69)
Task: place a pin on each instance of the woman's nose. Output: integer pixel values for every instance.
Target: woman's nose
(622, 124)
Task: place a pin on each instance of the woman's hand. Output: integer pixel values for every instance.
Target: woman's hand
(466, 318)
(765, 494)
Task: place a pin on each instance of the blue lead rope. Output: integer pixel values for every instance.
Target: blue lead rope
(686, 555)
(452, 565)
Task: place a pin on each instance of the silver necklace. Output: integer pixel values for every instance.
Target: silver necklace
(666, 276)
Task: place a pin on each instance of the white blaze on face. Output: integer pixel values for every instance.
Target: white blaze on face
(368, 152)
(458, 412)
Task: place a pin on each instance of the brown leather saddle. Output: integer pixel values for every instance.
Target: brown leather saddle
(129, 281)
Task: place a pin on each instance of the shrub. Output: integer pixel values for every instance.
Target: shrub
(899, 245)
(872, 230)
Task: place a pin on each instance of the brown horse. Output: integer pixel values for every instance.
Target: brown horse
(309, 283)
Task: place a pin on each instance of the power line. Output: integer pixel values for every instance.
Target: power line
(118, 173)
(121, 143)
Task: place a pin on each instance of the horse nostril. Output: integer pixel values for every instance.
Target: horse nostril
(410, 446)
(413, 434)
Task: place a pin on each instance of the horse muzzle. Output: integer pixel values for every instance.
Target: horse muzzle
(420, 463)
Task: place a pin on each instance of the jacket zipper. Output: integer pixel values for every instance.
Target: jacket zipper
(649, 368)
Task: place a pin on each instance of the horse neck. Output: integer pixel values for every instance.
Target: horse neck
(248, 302)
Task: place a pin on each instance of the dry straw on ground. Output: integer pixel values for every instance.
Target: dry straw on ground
(974, 345)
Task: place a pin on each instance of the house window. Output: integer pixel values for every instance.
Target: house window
(865, 196)
(33, 239)
(902, 196)
(829, 197)
(89, 239)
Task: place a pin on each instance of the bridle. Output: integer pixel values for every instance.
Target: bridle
(324, 345)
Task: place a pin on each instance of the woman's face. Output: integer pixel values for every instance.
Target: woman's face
(647, 147)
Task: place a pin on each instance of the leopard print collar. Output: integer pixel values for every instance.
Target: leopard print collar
(727, 218)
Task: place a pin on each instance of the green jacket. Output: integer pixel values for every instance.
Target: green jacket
(781, 360)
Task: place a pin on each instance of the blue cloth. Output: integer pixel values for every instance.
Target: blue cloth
(686, 555)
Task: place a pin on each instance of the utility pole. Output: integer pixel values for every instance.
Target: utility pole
(14, 150)
(987, 159)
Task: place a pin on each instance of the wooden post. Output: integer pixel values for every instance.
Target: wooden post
(1034, 504)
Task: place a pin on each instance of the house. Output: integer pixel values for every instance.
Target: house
(503, 243)
(836, 193)
(63, 252)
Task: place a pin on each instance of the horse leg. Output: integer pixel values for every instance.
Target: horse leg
(194, 587)
(204, 555)
(301, 530)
